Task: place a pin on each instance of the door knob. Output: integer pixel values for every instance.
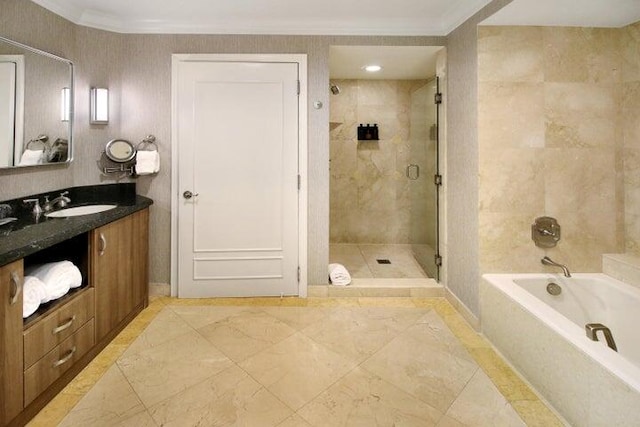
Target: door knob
(188, 194)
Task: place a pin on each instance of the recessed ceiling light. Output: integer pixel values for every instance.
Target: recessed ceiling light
(372, 68)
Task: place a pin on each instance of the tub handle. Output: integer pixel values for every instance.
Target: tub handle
(592, 333)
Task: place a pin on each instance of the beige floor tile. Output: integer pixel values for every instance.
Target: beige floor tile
(449, 422)
(297, 369)
(432, 331)
(481, 404)
(166, 326)
(165, 370)
(405, 302)
(403, 264)
(199, 316)
(246, 333)
(423, 367)
(357, 333)
(231, 397)
(298, 317)
(294, 421)
(141, 419)
(110, 402)
(363, 399)
(55, 411)
(350, 256)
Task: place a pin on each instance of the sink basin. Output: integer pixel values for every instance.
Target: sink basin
(80, 210)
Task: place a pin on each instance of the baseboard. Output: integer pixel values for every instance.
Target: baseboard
(471, 318)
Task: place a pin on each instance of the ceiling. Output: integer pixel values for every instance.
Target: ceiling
(330, 17)
(568, 13)
(398, 62)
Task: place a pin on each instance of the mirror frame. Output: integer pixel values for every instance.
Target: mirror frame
(71, 104)
(111, 155)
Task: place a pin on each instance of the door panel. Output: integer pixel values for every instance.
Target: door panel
(238, 151)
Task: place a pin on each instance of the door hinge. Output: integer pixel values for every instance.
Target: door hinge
(437, 180)
(299, 182)
(437, 260)
(298, 87)
(437, 98)
(298, 274)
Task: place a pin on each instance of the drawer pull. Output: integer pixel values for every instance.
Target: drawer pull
(103, 245)
(16, 288)
(66, 358)
(67, 325)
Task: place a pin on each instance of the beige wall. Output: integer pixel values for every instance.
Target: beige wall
(630, 50)
(551, 142)
(369, 191)
(137, 70)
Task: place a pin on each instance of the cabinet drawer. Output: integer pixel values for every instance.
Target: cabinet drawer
(57, 326)
(48, 369)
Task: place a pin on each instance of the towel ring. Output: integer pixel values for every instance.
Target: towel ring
(42, 139)
(148, 140)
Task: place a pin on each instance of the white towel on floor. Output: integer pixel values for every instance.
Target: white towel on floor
(58, 277)
(147, 162)
(33, 292)
(339, 275)
(32, 157)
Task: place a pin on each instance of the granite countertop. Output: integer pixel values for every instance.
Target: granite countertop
(29, 235)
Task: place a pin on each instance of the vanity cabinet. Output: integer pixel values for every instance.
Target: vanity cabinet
(41, 354)
(119, 269)
(11, 356)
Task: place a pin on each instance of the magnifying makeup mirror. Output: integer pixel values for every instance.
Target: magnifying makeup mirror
(120, 150)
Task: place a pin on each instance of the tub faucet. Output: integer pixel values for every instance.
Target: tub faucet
(548, 261)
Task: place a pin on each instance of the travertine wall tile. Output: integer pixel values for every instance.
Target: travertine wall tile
(370, 194)
(510, 54)
(552, 147)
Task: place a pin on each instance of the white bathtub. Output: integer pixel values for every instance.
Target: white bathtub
(544, 337)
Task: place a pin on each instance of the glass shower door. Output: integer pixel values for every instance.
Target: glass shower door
(421, 173)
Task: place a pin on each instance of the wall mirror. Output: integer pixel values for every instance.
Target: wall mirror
(36, 107)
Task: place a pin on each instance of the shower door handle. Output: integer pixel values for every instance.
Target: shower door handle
(413, 172)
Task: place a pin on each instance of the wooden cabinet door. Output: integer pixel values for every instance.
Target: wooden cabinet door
(11, 344)
(119, 260)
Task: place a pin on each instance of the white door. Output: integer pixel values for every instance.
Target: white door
(237, 141)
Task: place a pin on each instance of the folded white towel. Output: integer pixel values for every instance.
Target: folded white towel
(147, 162)
(339, 275)
(32, 157)
(58, 277)
(33, 292)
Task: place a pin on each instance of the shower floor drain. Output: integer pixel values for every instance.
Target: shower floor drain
(383, 261)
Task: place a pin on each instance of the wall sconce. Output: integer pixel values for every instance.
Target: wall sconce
(99, 111)
(65, 104)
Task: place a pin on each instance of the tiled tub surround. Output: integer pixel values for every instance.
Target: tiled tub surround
(298, 362)
(588, 383)
(27, 235)
(558, 136)
(369, 191)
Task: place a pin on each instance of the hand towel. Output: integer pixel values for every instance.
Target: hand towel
(32, 157)
(33, 292)
(339, 275)
(147, 162)
(58, 277)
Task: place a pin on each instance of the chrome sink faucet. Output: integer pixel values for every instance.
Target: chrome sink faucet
(59, 202)
(548, 261)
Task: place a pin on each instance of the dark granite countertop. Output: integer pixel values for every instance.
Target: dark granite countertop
(29, 235)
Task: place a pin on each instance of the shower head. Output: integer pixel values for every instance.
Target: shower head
(334, 89)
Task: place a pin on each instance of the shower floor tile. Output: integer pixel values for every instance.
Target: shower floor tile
(361, 260)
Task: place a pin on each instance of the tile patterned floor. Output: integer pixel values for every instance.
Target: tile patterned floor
(297, 362)
(361, 260)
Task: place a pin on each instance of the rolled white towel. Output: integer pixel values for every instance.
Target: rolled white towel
(339, 275)
(32, 157)
(33, 292)
(58, 277)
(147, 162)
